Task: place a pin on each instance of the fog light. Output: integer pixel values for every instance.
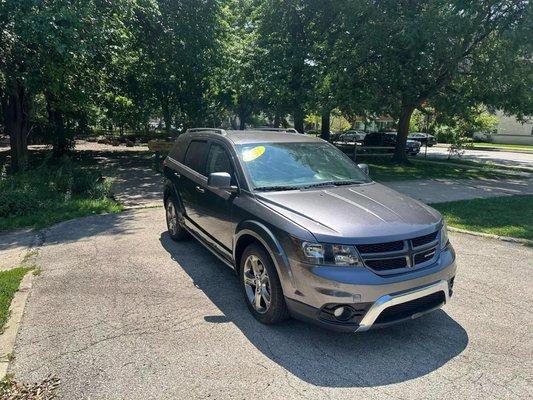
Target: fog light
(342, 313)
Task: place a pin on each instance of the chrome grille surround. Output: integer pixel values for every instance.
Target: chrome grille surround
(418, 252)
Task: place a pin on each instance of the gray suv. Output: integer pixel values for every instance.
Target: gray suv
(309, 234)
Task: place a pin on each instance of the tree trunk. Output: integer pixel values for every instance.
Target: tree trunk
(298, 116)
(167, 115)
(277, 120)
(326, 120)
(83, 124)
(403, 130)
(60, 142)
(16, 116)
(168, 119)
(242, 118)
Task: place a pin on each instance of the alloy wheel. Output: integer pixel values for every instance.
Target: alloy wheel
(172, 217)
(257, 284)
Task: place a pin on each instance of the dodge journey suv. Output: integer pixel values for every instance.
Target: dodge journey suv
(307, 231)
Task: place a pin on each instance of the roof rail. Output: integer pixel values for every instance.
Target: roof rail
(212, 130)
(268, 128)
(271, 129)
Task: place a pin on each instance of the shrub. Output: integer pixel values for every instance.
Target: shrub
(52, 182)
(18, 202)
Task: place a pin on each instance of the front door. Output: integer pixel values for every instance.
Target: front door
(217, 218)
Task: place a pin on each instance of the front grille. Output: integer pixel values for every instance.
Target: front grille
(425, 256)
(387, 263)
(380, 247)
(387, 257)
(410, 308)
(422, 240)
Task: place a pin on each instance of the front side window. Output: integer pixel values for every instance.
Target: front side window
(219, 161)
(195, 156)
(297, 165)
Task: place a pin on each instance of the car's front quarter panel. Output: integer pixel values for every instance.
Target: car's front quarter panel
(271, 229)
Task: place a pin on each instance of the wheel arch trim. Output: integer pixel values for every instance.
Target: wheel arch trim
(268, 240)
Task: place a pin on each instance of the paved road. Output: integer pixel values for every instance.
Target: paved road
(120, 311)
(443, 190)
(497, 157)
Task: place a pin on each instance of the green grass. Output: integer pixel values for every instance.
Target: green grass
(382, 170)
(505, 216)
(9, 284)
(525, 147)
(72, 208)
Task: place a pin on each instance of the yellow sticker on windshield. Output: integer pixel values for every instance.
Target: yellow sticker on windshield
(252, 154)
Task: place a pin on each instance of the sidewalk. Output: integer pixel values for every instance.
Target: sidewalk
(14, 245)
(444, 190)
(135, 184)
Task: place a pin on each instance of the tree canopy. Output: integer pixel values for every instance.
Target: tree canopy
(69, 67)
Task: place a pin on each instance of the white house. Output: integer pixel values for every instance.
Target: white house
(512, 131)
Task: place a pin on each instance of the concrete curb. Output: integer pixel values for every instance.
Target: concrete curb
(143, 206)
(491, 236)
(8, 337)
(502, 149)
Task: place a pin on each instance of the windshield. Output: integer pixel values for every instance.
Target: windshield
(286, 166)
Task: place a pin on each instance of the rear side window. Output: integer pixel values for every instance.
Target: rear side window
(195, 156)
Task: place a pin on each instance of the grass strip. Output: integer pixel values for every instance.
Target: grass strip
(510, 216)
(9, 284)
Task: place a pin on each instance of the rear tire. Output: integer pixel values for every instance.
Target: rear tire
(261, 287)
(176, 230)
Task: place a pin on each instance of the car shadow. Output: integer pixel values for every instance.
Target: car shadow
(318, 356)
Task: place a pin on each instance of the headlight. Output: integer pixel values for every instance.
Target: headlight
(444, 236)
(331, 254)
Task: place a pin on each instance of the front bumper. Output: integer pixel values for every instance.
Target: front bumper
(373, 300)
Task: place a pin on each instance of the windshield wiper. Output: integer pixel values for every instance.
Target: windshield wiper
(312, 185)
(276, 188)
(333, 183)
(342, 183)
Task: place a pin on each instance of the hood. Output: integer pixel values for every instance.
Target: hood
(369, 213)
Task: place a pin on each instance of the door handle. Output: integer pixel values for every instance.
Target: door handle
(200, 189)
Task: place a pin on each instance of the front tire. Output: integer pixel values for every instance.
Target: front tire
(175, 230)
(261, 286)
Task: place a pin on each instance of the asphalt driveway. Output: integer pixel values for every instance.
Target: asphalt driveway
(120, 311)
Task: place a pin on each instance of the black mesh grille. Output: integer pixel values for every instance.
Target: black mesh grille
(389, 263)
(422, 240)
(408, 309)
(380, 247)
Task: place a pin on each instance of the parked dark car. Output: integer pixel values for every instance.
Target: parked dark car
(423, 138)
(388, 139)
(306, 230)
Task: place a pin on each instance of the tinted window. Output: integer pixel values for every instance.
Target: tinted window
(196, 155)
(219, 161)
(297, 164)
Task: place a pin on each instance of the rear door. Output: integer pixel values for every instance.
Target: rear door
(193, 180)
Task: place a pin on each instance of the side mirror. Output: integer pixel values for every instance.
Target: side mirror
(220, 180)
(364, 168)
